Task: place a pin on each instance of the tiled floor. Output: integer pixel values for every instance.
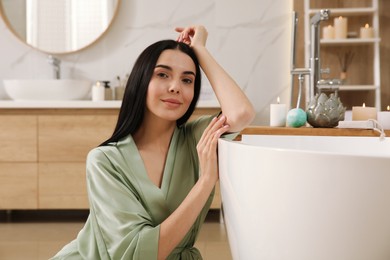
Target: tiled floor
(34, 236)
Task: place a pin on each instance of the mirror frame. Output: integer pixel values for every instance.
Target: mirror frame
(100, 36)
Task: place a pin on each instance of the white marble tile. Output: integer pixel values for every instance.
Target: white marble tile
(250, 38)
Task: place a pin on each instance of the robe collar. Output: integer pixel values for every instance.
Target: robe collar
(149, 192)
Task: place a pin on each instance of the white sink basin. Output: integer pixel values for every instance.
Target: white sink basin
(47, 89)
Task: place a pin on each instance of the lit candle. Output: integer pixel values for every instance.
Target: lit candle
(328, 32)
(340, 27)
(278, 114)
(98, 92)
(363, 113)
(384, 118)
(366, 32)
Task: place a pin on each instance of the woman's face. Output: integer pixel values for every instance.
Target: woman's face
(171, 88)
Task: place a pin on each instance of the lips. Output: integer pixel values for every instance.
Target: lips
(172, 101)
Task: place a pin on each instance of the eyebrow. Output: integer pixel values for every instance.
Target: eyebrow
(169, 68)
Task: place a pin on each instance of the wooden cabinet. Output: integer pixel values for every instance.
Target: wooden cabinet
(69, 138)
(63, 144)
(62, 186)
(18, 185)
(18, 135)
(18, 162)
(42, 156)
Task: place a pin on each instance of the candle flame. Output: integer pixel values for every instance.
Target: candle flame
(364, 104)
(367, 25)
(278, 100)
(388, 108)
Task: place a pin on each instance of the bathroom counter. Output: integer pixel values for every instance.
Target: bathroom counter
(267, 130)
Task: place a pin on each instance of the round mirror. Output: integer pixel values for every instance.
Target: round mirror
(60, 26)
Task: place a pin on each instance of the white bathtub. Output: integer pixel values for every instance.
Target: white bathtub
(306, 198)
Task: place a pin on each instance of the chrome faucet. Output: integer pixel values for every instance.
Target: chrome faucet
(315, 64)
(314, 71)
(55, 62)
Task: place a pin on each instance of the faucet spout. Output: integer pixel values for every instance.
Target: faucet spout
(320, 16)
(55, 62)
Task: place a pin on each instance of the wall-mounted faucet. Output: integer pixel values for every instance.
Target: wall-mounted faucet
(314, 71)
(55, 62)
(315, 64)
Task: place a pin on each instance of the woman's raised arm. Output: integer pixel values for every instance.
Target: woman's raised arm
(234, 103)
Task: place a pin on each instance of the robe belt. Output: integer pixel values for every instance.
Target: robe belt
(187, 253)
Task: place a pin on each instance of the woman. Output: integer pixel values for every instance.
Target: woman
(151, 184)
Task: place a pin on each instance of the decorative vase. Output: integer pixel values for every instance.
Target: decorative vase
(343, 76)
(324, 111)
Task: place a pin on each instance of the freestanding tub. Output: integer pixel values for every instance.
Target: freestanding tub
(306, 198)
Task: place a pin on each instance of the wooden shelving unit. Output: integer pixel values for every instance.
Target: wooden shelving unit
(365, 75)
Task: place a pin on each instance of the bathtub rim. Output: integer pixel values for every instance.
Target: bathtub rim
(305, 151)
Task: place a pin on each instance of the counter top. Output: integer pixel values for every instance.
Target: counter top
(11, 104)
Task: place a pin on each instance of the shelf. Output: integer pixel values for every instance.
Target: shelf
(357, 87)
(349, 41)
(346, 11)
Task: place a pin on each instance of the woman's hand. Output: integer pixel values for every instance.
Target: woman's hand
(207, 148)
(193, 35)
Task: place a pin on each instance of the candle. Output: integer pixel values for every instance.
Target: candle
(384, 118)
(278, 114)
(366, 32)
(328, 32)
(340, 27)
(363, 113)
(98, 92)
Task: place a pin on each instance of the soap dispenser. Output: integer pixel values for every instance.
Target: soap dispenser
(98, 92)
(120, 89)
(107, 90)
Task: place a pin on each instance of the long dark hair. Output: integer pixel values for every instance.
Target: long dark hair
(132, 111)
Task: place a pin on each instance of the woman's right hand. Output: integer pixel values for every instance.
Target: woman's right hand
(193, 35)
(207, 148)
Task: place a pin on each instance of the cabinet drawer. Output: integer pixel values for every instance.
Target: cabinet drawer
(62, 186)
(68, 138)
(18, 135)
(18, 186)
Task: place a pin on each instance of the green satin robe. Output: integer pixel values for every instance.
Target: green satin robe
(126, 208)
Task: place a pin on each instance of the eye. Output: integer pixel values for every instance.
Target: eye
(187, 81)
(162, 75)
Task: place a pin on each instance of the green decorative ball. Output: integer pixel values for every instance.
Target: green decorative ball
(296, 117)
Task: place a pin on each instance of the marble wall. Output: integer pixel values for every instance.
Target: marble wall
(250, 39)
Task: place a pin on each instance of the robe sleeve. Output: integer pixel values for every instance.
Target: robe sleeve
(198, 126)
(119, 223)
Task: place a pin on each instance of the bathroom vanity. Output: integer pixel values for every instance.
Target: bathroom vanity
(44, 148)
